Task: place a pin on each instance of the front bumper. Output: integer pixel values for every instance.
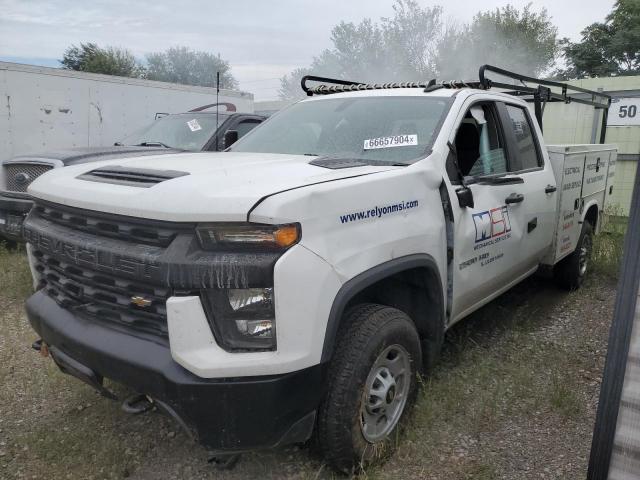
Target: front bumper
(224, 414)
(13, 211)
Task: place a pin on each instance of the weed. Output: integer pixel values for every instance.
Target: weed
(608, 246)
(481, 471)
(15, 277)
(564, 399)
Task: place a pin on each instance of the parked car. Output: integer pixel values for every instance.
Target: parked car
(302, 280)
(198, 130)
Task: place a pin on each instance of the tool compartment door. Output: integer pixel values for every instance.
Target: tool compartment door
(595, 174)
(584, 174)
(568, 228)
(613, 155)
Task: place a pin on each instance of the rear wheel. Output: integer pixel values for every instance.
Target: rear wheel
(570, 272)
(372, 385)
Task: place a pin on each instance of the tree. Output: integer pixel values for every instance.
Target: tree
(416, 44)
(412, 39)
(325, 65)
(400, 47)
(522, 41)
(89, 57)
(189, 67)
(609, 48)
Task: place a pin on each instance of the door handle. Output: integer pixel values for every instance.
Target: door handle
(550, 189)
(514, 198)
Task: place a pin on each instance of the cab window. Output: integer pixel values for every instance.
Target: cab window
(246, 126)
(526, 150)
(479, 144)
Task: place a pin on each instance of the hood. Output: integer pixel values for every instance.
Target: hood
(192, 187)
(74, 156)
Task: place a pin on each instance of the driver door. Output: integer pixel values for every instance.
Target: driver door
(487, 255)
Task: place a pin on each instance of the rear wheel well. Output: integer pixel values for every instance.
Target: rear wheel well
(592, 216)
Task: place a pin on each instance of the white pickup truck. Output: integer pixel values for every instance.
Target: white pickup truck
(300, 281)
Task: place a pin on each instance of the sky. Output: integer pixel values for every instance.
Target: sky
(262, 39)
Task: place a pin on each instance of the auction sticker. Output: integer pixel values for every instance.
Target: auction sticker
(392, 141)
(193, 125)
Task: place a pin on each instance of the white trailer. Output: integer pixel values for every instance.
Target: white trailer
(47, 108)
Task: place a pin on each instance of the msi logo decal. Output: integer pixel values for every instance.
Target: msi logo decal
(491, 223)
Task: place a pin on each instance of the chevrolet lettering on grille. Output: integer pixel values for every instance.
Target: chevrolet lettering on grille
(89, 255)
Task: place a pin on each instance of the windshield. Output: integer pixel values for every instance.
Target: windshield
(185, 131)
(389, 128)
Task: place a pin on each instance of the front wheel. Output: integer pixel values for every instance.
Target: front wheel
(372, 385)
(571, 270)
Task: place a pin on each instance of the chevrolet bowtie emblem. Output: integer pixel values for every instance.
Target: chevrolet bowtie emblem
(140, 301)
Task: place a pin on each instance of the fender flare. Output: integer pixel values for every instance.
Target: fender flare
(367, 278)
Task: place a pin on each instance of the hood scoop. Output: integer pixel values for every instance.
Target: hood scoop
(132, 177)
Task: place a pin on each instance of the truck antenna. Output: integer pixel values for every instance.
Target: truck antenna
(217, 106)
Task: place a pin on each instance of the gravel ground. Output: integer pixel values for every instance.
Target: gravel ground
(513, 398)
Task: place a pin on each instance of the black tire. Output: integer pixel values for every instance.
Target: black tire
(570, 272)
(371, 334)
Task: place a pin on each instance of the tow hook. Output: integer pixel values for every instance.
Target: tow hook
(40, 346)
(138, 403)
(224, 461)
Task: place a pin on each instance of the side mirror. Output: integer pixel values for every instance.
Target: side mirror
(465, 197)
(230, 137)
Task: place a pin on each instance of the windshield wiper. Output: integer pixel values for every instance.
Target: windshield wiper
(390, 163)
(348, 161)
(368, 161)
(372, 161)
(152, 144)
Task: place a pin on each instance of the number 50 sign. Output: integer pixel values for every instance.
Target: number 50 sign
(624, 112)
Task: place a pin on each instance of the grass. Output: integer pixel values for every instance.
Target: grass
(15, 277)
(482, 471)
(608, 246)
(563, 398)
(476, 386)
(499, 375)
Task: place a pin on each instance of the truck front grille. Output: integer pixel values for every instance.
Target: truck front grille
(121, 302)
(119, 227)
(20, 175)
(105, 266)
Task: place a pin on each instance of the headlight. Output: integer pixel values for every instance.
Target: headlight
(241, 318)
(215, 236)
